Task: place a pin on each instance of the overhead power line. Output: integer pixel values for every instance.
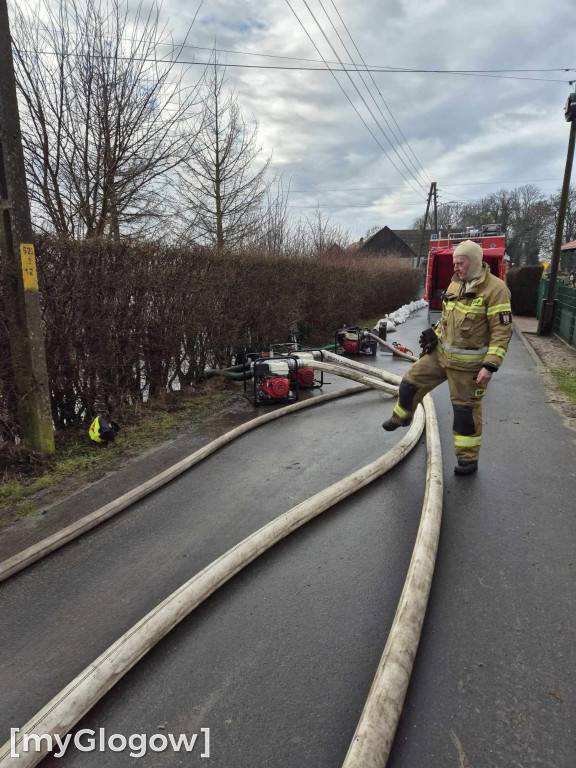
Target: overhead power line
(350, 100)
(373, 116)
(343, 68)
(419, 169)
(371, 66)
(474, 183)
(365, 205)
(327, 68)
(381, 189)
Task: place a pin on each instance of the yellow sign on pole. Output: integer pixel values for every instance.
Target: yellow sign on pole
(545, 264)
(29, 267)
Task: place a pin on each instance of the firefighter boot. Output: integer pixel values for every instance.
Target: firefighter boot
(465, 467)
(405, 407)
(390, 425)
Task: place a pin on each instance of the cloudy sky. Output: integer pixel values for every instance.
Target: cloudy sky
(463, 130)
(472, 134)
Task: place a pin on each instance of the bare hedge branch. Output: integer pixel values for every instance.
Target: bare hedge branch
(126, 321)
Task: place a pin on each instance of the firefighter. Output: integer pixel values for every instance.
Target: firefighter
(103, 430)
(466, 347)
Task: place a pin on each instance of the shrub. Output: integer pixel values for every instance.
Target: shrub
(127, 321)
(523, 284)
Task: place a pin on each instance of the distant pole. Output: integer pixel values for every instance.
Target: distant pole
(18, 265)
(546, 319)
(424, 227)
(435, 210)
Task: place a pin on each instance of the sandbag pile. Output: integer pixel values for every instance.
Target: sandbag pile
(400, 315)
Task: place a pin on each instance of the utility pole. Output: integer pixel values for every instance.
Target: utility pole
(435, 210)
(431, 193)
(546, 319)
(18, 265)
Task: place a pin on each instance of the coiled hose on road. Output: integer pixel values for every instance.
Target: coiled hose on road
(375, 731)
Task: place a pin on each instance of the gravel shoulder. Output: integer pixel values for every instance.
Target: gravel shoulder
(555, 355)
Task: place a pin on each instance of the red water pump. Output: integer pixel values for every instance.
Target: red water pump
(275, 386)
(355, 341)
(274, 380)
(306, 377)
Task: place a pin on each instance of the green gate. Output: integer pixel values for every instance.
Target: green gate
(565, 317)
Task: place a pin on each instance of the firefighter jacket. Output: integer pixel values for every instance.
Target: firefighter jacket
(103, 431)
(476, 324)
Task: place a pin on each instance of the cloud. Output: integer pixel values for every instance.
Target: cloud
(462, 129)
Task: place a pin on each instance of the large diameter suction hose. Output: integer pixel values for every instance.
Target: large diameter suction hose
(72, 703)
(368, 369)
(242, 374)
(371, 380)
(392, 348)
(374, 734)
(238, 375)
(42, 548)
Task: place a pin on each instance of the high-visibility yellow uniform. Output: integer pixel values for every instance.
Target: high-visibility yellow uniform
(94, 430)
(473, 332)
(103, 431)
(476, 326)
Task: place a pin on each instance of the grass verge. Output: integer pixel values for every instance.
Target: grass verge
(28, 484)
(565, 379)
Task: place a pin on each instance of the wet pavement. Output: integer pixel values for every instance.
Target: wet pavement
(279, 661)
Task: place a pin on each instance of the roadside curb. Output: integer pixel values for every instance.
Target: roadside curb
(539, 363)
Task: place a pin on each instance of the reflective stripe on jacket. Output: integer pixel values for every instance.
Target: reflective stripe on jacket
(94, 430)
(476, 326)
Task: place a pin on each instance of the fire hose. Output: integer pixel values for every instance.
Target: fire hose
(69, 706)
(42, 548)
(391, 347)
(372, 740)
(374, 734)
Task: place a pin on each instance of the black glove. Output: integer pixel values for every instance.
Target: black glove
(428, 341)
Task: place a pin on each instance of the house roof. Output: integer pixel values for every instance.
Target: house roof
(412, 238)
(385, 241)
(387, 236)
(568, 246)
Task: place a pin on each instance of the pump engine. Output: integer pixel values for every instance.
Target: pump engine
(355, 341)
(307, 377)
(274, 381)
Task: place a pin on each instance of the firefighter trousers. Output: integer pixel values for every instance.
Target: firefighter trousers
(465, 395)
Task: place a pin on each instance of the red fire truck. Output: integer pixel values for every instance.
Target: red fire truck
(440, 269)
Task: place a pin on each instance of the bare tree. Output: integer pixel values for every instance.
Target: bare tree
(324, 233)
(274, 232)
(569, 234)
(105, 117)
(222, 184)
(371, 231)
(524, 214)
(449, 218)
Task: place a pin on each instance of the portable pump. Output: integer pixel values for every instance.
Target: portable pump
(274, 380)
(306, 377)
(356, 341)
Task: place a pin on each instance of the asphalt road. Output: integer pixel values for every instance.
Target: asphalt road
(278, 662)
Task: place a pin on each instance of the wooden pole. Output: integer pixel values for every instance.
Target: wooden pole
(424, 227)
(546, 320)
(18, 265)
